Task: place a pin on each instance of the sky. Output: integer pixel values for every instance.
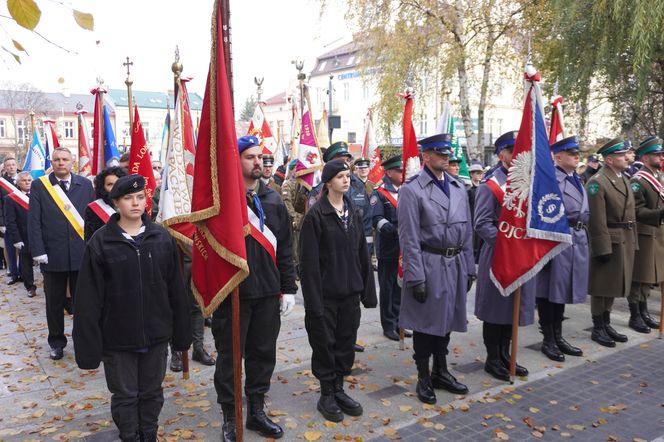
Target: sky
(266, 35)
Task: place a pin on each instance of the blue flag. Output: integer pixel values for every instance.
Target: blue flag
(35, 160)
(110, 146)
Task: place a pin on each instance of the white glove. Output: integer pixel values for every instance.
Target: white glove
(41, 259)
(3, 229)
(19, 245)
(287, 304)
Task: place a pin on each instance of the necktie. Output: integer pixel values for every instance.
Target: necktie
(575, 181)
(445, 185)
(65, 185)
(259, 208)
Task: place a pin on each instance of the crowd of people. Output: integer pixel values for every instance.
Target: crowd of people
(129, 282)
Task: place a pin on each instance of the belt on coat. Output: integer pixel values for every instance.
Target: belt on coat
(629, 225)
(449, 252)
(577, 225)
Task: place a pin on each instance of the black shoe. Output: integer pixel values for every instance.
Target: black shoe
(202, 356)
(442, 379)
(56, 354)
(176, 361)
(358, 348)
(425, 391)
(549, 346)
(391, 335)
(407, 333)
(613, 334)
(636, 320)
(13, 280)
(496, 369)
(649, 320)
(207, 322)
(228, 432)
(258, 421)
(32, 291)
(562, 344)
(599, 334)
(147, 436)
(327, 404)
(347, 404)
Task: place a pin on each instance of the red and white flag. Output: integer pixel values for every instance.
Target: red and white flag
(178, 173)
(219, 206)
(259, 127)
(557, 128)
(370, 150)
(411, 154)
(309, 158)
(532, 228)
(84, 159)
(51, 140)
(139, 159)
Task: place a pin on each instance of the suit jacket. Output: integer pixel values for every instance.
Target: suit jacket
(49, 230)
(16, 221)
(3, 194)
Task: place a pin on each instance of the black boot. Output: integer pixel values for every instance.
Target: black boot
(228, 429)
(442, 379)
(424, 387)
(562, 344)
(649, 320)
(327, 404)
(599, 334)
(201, 356)
(636, 320)
(135, 438)
(147, 436)
(176, 361)
(493, 365)
(505, 341)
(549, 346)
(347, 404)
(613, 334)
(258, 421)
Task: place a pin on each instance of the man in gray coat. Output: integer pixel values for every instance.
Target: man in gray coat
(435, 235)
(490, 306)
(565, 279)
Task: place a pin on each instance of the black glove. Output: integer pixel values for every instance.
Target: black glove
(420, 292)
(471, 280)
(602, 259)
(388, 229)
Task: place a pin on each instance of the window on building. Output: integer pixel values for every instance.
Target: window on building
(499, 129)
(423, 123)
(21, 131)
(3, 128)
(365, 92)
(351, 59)
(321, 67)
(146, 129)
(352, 137)
(346, 91)
(318, 95)
(490, 125)
(69, 129)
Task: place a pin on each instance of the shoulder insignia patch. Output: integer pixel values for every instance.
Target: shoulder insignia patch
(593, 188)
(374, 200)
(636, 186)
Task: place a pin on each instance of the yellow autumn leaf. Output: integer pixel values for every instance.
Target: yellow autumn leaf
(275, 413)
(439, 427)
(84, 20)
(390, 432)
(330, 424)
(405, 408)
(534, 410)
(312, 435)
(19, 46)
(38, 413)
(25, 12)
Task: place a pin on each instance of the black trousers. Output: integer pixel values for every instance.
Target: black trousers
(390, 294)
(55, 289)
(332, 337)
(134, 380)
(259, 327)
(27, 271)
(549, 312)
(425, 345)
(195, 314)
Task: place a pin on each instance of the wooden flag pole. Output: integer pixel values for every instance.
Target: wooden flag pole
(515, 333)
(661, 310)
(402, 337)
(237, 361)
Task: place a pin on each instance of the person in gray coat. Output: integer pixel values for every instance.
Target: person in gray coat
(565, 279)
(490, 306)
(435, 234)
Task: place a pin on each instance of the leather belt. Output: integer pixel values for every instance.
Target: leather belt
(447, 253)
(577, 225)
(627, 226)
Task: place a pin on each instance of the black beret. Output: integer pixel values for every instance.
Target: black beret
(127, 184)
(332, 168)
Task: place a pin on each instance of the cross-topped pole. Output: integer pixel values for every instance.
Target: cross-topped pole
(130, 101)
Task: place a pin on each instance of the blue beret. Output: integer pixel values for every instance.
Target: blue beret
(247, 141)
(126, 185)
(569, 144)
(440, 143)
(505, 140)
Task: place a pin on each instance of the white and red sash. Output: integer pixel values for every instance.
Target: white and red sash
(265, 238)
(654, 182)
(495, 188)
(19, 197)
(101, 209)
(388, 195)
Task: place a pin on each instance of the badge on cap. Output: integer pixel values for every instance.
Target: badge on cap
(135, 185)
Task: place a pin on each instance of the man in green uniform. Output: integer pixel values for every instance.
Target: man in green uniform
(612, 232)
(649, 258)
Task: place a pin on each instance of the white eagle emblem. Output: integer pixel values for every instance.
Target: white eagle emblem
(519, 177)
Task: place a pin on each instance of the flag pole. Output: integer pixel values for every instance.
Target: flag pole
(235, 295)
(661, 310)
(130, 101)
(515, 333)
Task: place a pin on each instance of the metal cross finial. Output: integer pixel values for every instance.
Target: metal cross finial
(128, 63)
(177, 53)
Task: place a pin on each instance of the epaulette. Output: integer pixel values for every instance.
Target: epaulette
(412, 178)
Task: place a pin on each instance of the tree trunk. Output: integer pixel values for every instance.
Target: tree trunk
(486, 73)
(462, 72)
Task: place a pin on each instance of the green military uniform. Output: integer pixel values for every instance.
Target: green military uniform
(294, 196)
(646, 185)
(612, 235)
